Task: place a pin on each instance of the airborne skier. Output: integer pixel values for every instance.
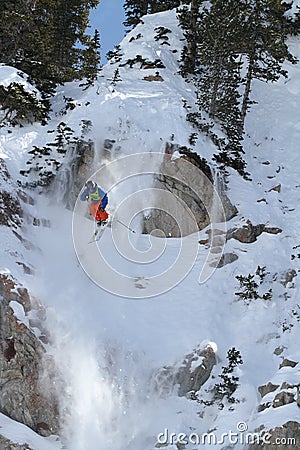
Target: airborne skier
(99, 200)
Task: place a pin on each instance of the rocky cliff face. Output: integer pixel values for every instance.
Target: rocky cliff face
(23, 358)
(76, 173)
(190, 179)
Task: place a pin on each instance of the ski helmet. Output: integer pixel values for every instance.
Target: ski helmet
(91, 185)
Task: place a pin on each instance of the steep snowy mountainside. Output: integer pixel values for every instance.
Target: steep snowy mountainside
(149, 92)
(110, 350)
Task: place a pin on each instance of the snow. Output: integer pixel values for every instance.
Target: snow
(20, 434)
(18, 311)
(108, 346)
(294, 8)
(10, 75)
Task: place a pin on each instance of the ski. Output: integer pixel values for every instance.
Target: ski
(96, 237)
(98, 233)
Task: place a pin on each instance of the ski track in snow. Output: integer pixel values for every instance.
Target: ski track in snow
(107, 347)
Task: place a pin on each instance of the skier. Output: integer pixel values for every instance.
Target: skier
(98, 203)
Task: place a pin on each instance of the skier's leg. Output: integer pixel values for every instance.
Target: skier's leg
(94, 209)
(101, 216)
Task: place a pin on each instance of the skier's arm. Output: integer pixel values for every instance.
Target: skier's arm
(84, 195)
(104, 198)
(101, 193)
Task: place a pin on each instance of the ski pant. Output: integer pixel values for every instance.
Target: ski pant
(95, 209)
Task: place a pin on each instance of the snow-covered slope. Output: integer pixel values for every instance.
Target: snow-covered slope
(108, 348)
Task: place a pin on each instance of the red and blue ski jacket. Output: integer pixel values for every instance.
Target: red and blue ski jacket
(95, 195)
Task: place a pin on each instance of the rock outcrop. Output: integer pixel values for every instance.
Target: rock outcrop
(187, 376)
(266, 388)
(249, 232)
(276, 396)
(22, 362)
(79, 170)
(189, 179)
(283, 398)
(7, 444)
(285, 437)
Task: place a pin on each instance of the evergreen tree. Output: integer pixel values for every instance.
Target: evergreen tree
(229, 383)
(163, 5)
(134, 10)
(71, 20)
(213, 61)
(116, 77)
(224, 40)
(47, 39)
(115, 55)
(264, 44)
(250, 286)
(91, 58)
(189, 18)
(16, 18)
(218, 65)
(20, 105)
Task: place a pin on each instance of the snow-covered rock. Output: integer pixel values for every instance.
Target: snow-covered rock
(187, 377)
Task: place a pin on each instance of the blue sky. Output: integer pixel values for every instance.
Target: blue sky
(108, 19)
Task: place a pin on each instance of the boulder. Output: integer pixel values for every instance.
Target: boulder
(266, 388)
(247, 234)
(276, 188)
(204, 241)
(155, 77)
(283, 398)
(273, 230)
(187, 376)
(286, 385)
(287, 363)
(279, 350)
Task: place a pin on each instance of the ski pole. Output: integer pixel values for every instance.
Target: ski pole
(130, 229)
